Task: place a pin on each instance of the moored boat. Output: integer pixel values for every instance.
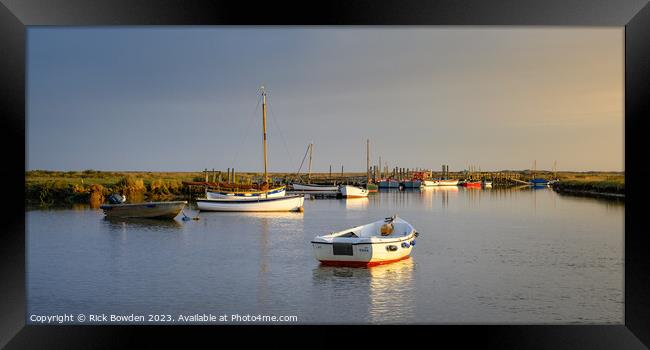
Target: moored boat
(285, 203)
(314, 187)
(538, 182)
(487, 183)
(353, 191)
(428, 183)
(372, 187)
(152, 210)
(388, 183)
(279, 201)
(471, 184)
(376, 243)
(414, 183)
(241, 195)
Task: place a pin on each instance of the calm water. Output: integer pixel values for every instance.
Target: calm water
(483, 256)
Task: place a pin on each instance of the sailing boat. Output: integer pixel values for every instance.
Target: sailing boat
(309, 186)
(537, 181)
(264, 200)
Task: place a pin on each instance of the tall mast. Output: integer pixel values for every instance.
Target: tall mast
(368, 160)
(264, 128)
(311, 147)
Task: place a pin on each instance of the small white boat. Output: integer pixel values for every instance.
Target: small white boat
(427, 183)
(376, 243)
(487, 184)
(153, 210)
(285, 203)
(314, 187)
(353, 191)
(252, 195)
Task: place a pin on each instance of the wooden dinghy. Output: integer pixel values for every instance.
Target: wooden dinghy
(285, 203)
(376, 243)
(152, 210)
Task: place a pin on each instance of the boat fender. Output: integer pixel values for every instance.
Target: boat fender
(405, 245)
(391, 248)
(417, 233)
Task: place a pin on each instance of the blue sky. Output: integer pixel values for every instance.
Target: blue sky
(185, 98)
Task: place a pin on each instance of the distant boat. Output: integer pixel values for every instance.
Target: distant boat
(538, 182)
(372, 187)
(314, 187)
(286, 203)
(353, 191)
(388, 183)
(487, 183)
(240, 195)
(152, 210)
(412, 183)
(428, 183)
(309, 186)
(376, 243)
(471, 184)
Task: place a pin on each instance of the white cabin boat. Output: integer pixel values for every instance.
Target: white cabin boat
(285, 203)
(376, 243)
(353, 191)
(241, 195)
(427, 183)
(314, 187)
(487, 184)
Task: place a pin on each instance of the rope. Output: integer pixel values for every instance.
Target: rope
(286, 148)
(186, 218)
(234, 160)
(303, 160)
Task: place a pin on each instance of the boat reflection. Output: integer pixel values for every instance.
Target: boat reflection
(390, 288)
(443, 192)
(356, 203)
(141, 223)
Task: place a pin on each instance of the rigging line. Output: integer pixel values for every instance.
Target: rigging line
(286, 148)
(303, 160)
(234, 159)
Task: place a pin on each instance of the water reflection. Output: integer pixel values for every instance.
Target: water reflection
(428, 194)
(356, 203)
(387, 290)
(121, 224)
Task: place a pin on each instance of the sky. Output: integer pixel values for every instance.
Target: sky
(187, 98)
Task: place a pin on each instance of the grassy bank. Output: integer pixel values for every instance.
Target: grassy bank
(606, 184)
(91, 186)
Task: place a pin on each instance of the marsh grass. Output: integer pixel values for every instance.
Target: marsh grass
(44, 187)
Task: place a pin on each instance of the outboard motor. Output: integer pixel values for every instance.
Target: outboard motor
(116, 198)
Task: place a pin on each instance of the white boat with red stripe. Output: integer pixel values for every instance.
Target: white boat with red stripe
(376, 243)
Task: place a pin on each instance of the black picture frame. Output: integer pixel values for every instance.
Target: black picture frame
(634, 15)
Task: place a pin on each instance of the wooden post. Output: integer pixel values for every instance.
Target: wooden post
(206, 174)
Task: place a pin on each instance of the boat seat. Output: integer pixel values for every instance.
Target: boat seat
(350, 234)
